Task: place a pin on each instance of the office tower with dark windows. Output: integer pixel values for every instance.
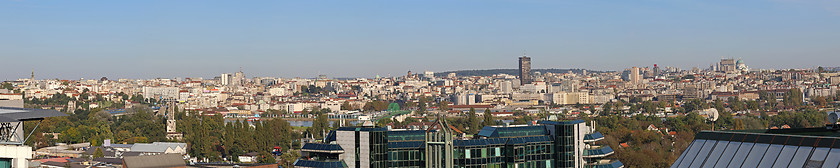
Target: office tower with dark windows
(525, 70)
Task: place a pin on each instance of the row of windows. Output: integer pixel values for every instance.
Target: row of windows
(522, 132)
(565, 145)
(497, 165)
(478, 152)
(536, 164)
(378, 149)
(478, 161)
(405, 155)
(407, 137)
(416, 163)
(528, 164)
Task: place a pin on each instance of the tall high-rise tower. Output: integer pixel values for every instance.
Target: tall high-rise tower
(525, 69)
(226, 79)
(634, 75)
(238, 78)
(656, 70)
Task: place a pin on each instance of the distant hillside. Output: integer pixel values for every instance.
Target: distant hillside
(490, 72)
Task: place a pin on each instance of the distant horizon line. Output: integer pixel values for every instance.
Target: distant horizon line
(374, 76)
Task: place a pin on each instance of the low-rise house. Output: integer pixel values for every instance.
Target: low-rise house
(249, 157)
(157, 148)
(154, 161)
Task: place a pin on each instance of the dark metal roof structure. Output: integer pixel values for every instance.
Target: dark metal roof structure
(14, 114)
(157, 161)
(525, 131)
(612, 164)
(320, 164)
(322, 147)
(363, 129)
(746, 149)
(593, 137)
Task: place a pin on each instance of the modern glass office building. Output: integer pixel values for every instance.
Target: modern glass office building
(546, 144)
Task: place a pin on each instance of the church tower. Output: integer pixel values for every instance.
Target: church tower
(171, 131)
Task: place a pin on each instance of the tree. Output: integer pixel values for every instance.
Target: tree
(473, 121)
(607, 109)
(488, 118)
(7, 86)
(409, 105)
(320, 126)
(443, 105)
(346, 106)
(376, 105)
(98, 153)
(265, 157)
(694, 104)
(819, 101)
(288, 158)
(383, 122)
(719, 105)
(421, 105)
(793, 98)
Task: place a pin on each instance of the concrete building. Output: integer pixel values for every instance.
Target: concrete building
(226, 79)
(567, 98)
(728, 65)
(635, 77)
(238, 78)
(10, 99)
(162, 93)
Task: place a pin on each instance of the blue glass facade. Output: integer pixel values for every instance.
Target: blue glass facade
(549, 144)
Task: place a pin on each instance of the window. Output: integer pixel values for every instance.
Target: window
(691, 152)
(801, 156)
(741, 155)
(730, 151)
(755, 155)
(467, 152)
(771, 155)
(833, 162)
(785, 156)
(704, 152)
(715, 154)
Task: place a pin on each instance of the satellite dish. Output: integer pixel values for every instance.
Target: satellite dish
(832, 117)
(714, 115)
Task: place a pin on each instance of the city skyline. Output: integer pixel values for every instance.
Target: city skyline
(34, 73)
(84, 39)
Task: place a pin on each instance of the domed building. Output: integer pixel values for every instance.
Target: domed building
(740, 66)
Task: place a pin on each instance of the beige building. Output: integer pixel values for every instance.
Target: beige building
(566, 98)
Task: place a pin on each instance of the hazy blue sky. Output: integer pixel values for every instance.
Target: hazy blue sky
(349, 38)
